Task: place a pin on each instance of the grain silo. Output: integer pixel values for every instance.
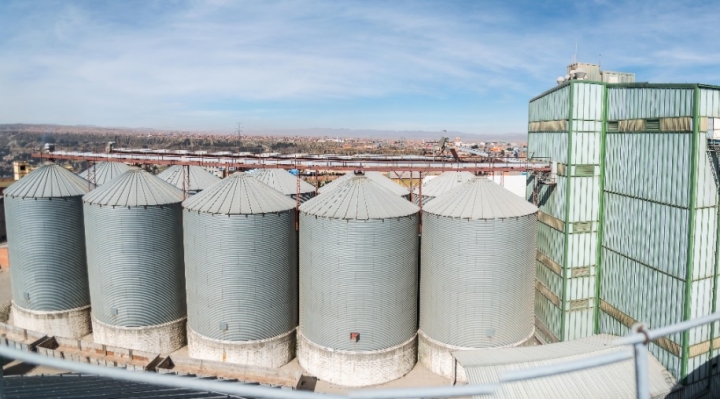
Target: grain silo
(358, 284)
(440, 185)
(192, 180)
(285, 182)
(477, 273)
(133, 226)
(241, 269)
(46, 245)
(377, 177)
(103, 172)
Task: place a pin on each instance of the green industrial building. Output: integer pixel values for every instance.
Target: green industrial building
(628, 217)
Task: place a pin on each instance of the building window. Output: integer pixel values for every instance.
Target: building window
(613, 126)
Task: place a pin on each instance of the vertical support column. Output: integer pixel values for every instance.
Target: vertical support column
(601, 212)
(566, 258)
(687, 311)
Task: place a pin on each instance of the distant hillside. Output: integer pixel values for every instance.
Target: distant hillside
(311, 132)
(369, 133)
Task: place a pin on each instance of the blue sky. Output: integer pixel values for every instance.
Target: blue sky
(392, 65)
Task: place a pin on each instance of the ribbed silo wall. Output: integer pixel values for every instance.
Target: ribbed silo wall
(241, 283)
(46, 238)
(137, 276)
(358, 276)
(476, 285)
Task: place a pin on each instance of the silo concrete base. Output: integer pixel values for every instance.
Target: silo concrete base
(161, 338)
(357, 369)
(73, 323)
(270, 353)
(437, 356)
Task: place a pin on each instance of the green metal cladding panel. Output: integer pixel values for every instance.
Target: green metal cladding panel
(548, 145)
(579, 324)
(552, 106)
(705, 240)
(548, 314)
(706, 188)
(653, 234)
(643, 293)
(643, 102)
(710, 103)
(549, 278)
(586, 145)
(584, 199)
(649, 165)
(582, 250)
(587, 101)
(551, 242)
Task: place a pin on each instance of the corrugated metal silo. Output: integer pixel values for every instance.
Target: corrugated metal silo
(133, 226)
(46, 246)
(477, 272)
(440, 185)
(285, 182)
(197, 180)
(377, 177)
(358, 284)
(104, 172)
(241, 269)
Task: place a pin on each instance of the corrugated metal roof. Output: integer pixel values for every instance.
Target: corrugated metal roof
(611, 381)
(90, 386)
(377, 177)
(49, 181)
(200, 178)
(134, 188)
(359, 197)
(106, 171)
(283, 181)
(479, 198)
(239, 194)
(444, 183)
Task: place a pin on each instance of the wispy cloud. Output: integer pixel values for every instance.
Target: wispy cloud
(414, 65)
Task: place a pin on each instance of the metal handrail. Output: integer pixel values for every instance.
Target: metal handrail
(639, 339)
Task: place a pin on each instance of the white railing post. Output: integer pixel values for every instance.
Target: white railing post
(641, 363)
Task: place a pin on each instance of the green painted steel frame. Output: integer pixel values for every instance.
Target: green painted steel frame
(563, 301)
(601, 213)
(691, 232)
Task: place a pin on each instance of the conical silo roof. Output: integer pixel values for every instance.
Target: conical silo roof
(239, 194)
(106, 171)
(359, 197)
(49, 181)
(479, 198)
(377, 177)
(200, 178)
(283, 181)
(135, 187)
(444, 183)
